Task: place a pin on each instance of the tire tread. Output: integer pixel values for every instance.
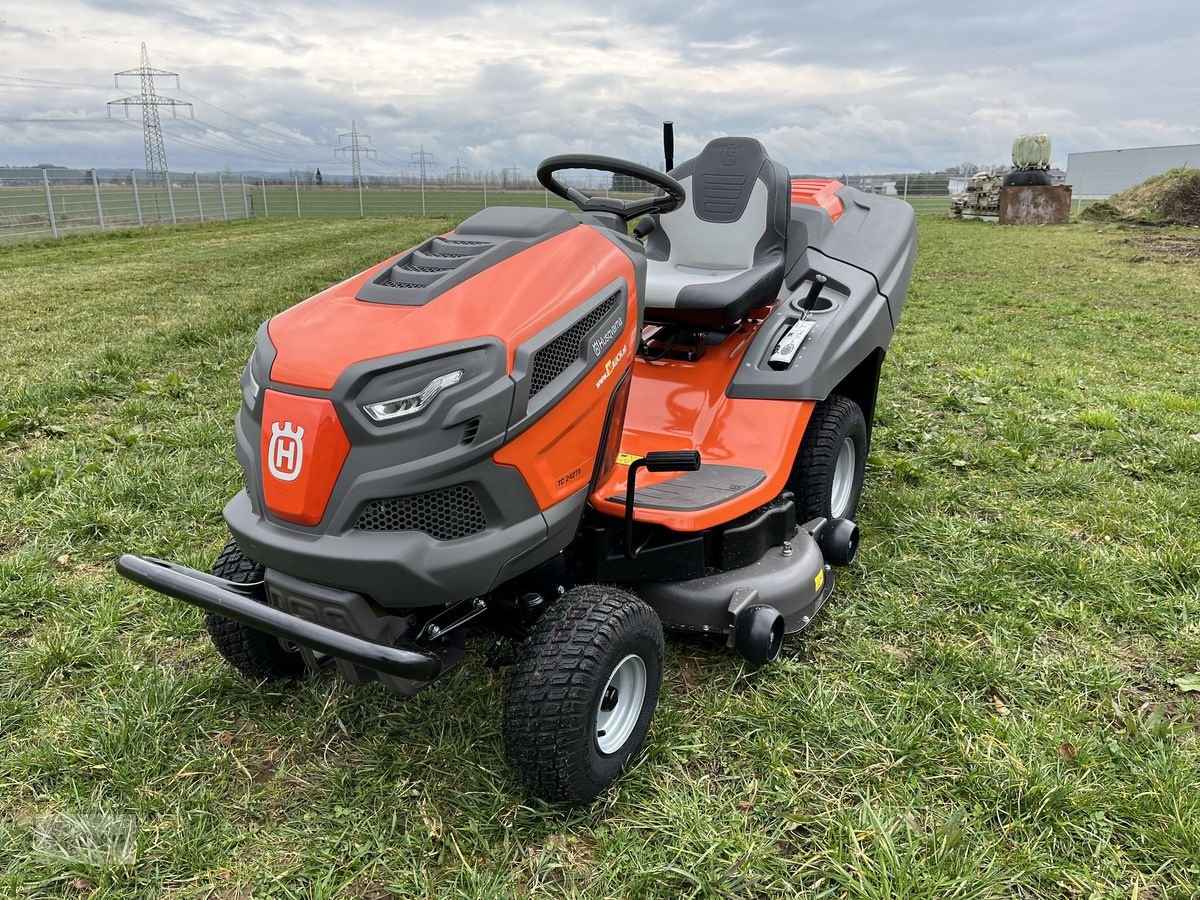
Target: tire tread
(254, 653)
(548, 704)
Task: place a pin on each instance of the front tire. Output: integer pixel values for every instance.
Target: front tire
(583, 693)
(256, 654)
(827, 478)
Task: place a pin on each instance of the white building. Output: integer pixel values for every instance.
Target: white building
(1101, 173)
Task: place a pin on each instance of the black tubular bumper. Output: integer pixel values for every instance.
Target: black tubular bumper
(239, 602)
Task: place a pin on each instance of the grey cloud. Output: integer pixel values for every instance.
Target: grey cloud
(851, 87)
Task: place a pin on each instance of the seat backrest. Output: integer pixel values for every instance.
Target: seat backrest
(736, 212)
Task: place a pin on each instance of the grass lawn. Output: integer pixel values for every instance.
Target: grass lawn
(987, 708)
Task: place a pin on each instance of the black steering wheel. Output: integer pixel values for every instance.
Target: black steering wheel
(671, 193)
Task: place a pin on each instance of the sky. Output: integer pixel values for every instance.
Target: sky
(845, 88)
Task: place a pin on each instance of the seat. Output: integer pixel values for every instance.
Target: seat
(720, 255)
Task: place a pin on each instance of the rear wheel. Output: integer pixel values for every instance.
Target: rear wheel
(583, 693)
(254, 653)
(827, 477)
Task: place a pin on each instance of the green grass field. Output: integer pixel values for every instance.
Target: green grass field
(993, 704)
(23, 213)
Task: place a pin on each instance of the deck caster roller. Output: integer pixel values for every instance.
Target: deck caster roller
(838, 541)
(758, 635)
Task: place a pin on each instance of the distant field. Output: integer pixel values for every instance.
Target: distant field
(23, 213)
(995, 703)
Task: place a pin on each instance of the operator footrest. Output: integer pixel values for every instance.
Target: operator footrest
(710, 485)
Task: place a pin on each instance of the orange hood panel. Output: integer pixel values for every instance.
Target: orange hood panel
(513, 300)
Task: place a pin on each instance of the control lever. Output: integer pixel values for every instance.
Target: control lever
(814, 292)
(654, 461)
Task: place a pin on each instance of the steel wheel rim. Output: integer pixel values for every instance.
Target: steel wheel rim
(843, 479)
(624, 694)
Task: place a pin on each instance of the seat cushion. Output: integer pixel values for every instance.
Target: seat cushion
(679, 293)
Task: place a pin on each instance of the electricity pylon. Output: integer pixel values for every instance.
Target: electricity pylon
(150, 101)
(358, 147)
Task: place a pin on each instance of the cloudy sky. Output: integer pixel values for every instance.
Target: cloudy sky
(858, 86)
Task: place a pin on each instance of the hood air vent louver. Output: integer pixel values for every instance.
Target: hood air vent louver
(440, 263)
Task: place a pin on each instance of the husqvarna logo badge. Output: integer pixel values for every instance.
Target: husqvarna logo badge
(285, 453)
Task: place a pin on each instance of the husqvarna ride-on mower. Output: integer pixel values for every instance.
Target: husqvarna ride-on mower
(538, 425)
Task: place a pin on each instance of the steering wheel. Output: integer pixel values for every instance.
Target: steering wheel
(671, 193)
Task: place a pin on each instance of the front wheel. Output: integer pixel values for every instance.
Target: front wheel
(256, 654)
(583, 693)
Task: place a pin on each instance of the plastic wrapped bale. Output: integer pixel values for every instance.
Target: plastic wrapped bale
(1031, 151)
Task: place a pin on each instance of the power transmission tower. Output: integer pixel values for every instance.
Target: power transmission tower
(512, 171)
(457, 170)
(150, 101)
(421, 159)
(358, 147)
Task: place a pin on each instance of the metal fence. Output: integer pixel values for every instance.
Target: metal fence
(50, 202)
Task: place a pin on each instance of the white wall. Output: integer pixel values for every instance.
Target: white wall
(1102, 173)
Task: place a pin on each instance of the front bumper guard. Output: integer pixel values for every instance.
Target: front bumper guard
(244, 603)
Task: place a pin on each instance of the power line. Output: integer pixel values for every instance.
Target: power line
(149, 101)
(237, 139)
(39, 82)
(263, 128)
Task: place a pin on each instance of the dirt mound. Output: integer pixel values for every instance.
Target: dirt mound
(1172, 198)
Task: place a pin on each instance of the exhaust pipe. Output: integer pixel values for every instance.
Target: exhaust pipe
(758, 634)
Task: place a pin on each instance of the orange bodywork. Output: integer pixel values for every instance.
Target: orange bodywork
(678, 405)
(513, 300)
(303, 449)
(557, 454)
(820, 192)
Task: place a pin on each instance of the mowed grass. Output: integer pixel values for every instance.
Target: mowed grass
(987, 708)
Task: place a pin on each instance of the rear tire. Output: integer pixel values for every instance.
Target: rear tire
(827, 477)
(583, 693)
(256, 654)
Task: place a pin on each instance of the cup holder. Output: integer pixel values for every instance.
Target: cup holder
(823, 304)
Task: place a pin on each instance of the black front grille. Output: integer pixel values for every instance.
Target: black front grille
(399, 284)
(556, 357)
(444, 514)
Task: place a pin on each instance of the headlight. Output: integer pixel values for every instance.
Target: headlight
(250, 385)
(251, 382)
(389, 410)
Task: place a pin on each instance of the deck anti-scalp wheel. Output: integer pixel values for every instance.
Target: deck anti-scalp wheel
(254, 653)
(827, 477)
(583, 692)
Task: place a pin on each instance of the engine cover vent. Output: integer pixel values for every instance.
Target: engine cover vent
(556, 357)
